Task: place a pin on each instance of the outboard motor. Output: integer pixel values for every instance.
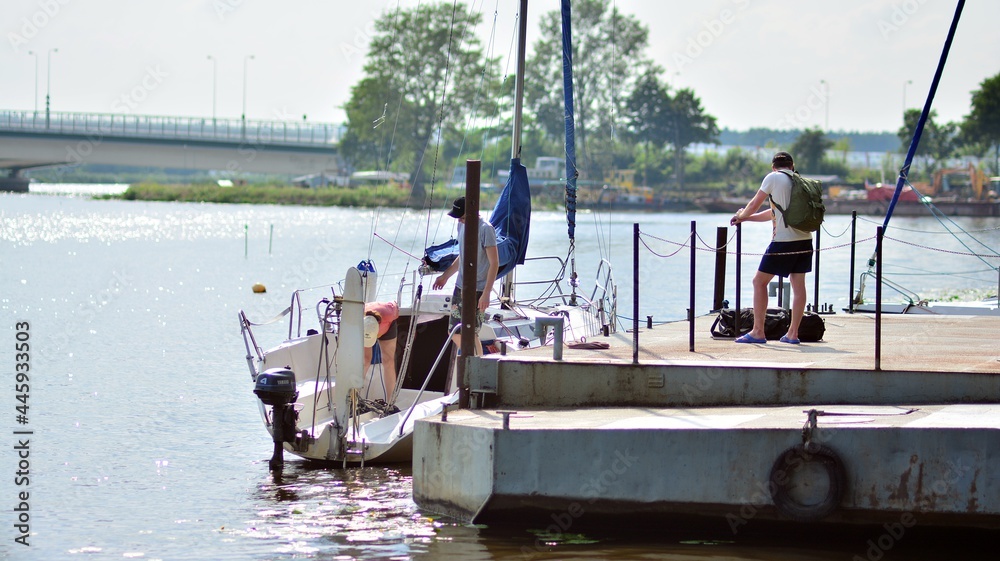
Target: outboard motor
(276, 387)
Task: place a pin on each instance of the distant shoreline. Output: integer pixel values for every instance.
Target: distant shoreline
(277, 195)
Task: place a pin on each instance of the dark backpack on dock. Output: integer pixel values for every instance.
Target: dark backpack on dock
(805, 206)
(776, 324)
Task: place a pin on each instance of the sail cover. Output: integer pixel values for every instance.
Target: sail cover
(571, 171)
(511, 218)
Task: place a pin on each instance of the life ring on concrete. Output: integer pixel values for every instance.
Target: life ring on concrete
(781, 484)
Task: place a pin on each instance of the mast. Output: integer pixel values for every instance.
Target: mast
(905, 170)
(571, 171)
(507, 288)
(522, 40)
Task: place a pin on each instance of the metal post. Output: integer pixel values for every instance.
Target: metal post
(635, 293)
(215, 82)
(694, 236)
(878, 298)
(739, 272)
(48, 84)
(469, 264)
(854, 240)
(816, 273)
(243, 117)
(34, 54)
(720, 267)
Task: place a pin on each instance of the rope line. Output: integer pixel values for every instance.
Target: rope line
(679, 249)
(827, 232)
(940, 250)
(947, 232)
(713, 249)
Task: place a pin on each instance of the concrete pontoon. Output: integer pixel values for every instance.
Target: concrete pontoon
(733, 436)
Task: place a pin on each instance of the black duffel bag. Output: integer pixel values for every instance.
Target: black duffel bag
(776, 324)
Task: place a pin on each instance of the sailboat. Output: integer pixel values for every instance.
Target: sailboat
(310, 387)
(582, 315)
(914, 304)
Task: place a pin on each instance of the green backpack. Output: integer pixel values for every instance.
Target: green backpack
(805, 207)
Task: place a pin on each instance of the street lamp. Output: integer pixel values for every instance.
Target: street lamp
(245, 60)
(215, 82)
(48, 85)
(34, 54)
(826, 103)
(904, 96)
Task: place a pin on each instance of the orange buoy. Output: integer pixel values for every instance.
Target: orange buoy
(259, 288)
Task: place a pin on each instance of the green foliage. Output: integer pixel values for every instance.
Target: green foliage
(266, 194)
(425, 74)
(648, 111)
(982, 125)
(608, 54)
(691, 125)
(937, 142)
(809, 150)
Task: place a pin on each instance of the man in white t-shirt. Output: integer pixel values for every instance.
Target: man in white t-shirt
(789, 254)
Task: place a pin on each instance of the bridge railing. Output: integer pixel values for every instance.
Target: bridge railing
(292, 133)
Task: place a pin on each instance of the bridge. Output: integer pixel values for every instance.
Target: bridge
(33, 139)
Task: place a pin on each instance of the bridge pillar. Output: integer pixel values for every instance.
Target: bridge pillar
(14, 182)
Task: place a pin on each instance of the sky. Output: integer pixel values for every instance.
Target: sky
(848, 65)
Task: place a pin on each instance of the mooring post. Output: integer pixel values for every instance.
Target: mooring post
(854, 241)
(720, 267)
(878, 298)
(694, 237)
(739, 272)
(816, 273)
(635, 293)
(469, 264)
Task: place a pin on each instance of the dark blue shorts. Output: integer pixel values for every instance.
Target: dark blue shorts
(785, 258)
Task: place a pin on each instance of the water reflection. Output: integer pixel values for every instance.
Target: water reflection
(367, 513)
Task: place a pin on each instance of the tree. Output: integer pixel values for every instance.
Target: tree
(983, 123)
(937, 142)
(809, 149)
(607, 56)
(690, 125)
(648, 117)
(424, 69)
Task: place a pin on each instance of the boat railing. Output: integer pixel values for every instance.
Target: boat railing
(250, 342)
(606, 294)
(554, 292)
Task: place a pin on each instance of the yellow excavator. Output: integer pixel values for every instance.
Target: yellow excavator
(960, 184)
